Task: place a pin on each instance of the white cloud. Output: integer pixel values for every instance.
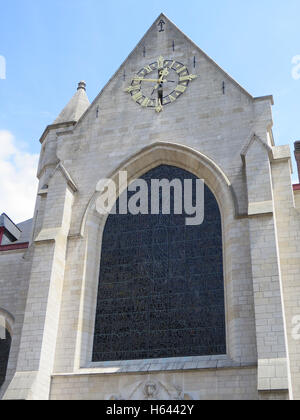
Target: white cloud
(18, 182)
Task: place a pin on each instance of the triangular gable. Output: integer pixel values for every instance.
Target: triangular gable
(209, 59)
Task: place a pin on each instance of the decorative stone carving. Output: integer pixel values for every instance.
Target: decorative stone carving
(152, 390)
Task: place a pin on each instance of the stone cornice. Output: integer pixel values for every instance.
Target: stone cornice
(55, 127)
(265, 98)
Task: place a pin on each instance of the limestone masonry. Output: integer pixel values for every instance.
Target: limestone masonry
(53, 336)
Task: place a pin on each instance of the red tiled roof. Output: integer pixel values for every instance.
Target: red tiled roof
(14, 247)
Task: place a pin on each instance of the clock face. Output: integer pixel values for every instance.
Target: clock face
(160, 83)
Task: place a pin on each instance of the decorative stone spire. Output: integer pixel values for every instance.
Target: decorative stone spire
(76, 107)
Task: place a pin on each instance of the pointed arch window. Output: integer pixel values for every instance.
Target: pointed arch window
(161, 285)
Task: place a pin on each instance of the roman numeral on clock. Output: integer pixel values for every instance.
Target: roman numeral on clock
(180, 88)
(146, 102)
(132, 88)
(137, 96)
(181, 70)
(148, 69)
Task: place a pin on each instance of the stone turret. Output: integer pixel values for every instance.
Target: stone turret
(68, 117)
(49, 160)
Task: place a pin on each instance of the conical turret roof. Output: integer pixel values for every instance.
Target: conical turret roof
(76, 107)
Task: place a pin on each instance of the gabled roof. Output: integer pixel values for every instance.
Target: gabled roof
(76, 107)
(10, 229)
(141, 42)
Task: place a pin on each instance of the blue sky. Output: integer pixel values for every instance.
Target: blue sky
(49, 46)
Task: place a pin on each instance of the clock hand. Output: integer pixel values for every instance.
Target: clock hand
(159, 106)
(141, 79)
(161, 81)
(164, 73)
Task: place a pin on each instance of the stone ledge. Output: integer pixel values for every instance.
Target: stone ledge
(55, 127)
(43, 192)
(160, 365)
(21, 386)
(281, 152)
(48, 235)
(272, 375)
(269, 98)
(263, 207)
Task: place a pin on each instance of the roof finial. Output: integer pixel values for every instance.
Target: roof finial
(82, 85)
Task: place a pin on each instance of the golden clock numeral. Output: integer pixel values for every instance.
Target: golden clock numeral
(137, 96)
(132, 88)
(146, 102)
(160, 62)
(172, 64)
(137, 79)
(172, 99)
(190, 77)
(148, 69)
(180, 88)
(181, 69)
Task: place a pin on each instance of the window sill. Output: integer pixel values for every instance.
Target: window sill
(159, 365)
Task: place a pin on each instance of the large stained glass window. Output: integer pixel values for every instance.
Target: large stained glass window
(161, 286)
(4, 355)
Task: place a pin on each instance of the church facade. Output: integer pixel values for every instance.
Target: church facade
(143, 306)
